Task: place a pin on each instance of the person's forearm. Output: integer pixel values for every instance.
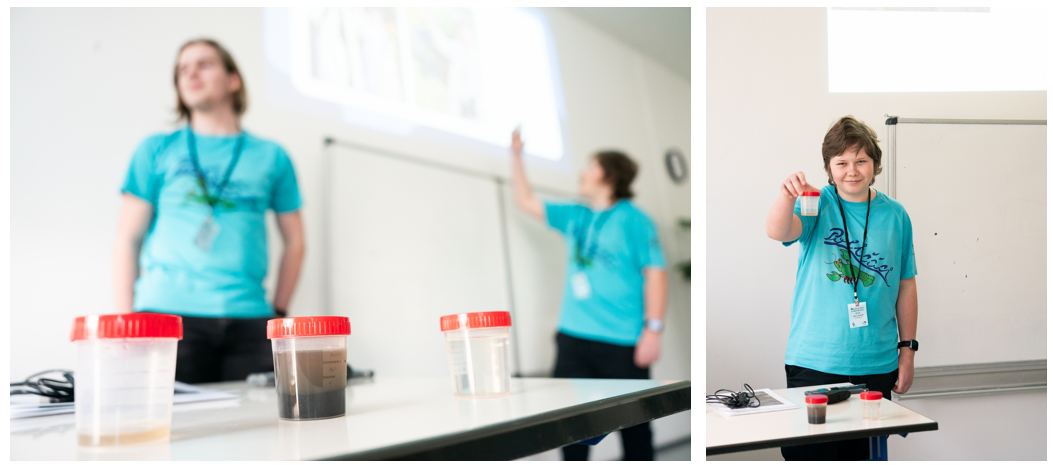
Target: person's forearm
(125, 272)
(288, 274)
(780, 219)
(656, 288)
(524, 194)
(907, 314)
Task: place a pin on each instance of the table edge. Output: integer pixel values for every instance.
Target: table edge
(541, 432)
(829, 437)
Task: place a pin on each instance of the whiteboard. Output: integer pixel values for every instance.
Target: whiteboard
(976, 196)
(410, 242)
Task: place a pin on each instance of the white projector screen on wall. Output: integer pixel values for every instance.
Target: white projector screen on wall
(936, 49)
(474, 74)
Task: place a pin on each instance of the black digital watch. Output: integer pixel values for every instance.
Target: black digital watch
(911, 343)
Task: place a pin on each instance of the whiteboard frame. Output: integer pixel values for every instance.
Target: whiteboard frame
(978, 379)
(892, 121)
(498, 181)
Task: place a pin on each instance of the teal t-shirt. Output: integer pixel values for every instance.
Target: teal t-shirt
(820, 335)
(619, 242)
(227, 281)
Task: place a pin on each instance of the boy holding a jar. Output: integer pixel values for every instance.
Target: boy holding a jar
(855, 306)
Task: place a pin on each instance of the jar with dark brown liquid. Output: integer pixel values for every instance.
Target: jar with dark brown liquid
(816, 409)
(310, 366)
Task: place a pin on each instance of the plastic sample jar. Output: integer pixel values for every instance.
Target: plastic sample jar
(124, 377)
(478, 349)
(871, 404)
(310, 366)
(809, 204)
(816, 408)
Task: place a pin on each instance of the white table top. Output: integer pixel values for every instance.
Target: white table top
(387, 412)
(844, 420)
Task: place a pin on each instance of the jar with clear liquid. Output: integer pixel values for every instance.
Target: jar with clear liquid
(479, 353)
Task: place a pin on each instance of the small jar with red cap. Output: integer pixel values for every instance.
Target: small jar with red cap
(310, 366)
(480, 356)
(810, 203)
(125, 377)
(871, 404)
(816, 408)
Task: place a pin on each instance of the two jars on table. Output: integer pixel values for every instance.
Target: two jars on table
(816, 404)
(125, 373)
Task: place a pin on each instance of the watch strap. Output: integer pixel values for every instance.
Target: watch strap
(912, 344)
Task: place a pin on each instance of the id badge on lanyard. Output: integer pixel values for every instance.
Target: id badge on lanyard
(206, 235)
(857, 315)
(209, 231)
(857, 311)
(579, 282)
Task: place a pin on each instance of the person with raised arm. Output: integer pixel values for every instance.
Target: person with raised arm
(614, 299)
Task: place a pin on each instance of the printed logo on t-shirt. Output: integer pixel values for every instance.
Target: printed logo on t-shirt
(235, 194)
(845, 270)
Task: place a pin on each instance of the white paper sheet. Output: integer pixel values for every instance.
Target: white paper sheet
(184, 393)
(770, 402)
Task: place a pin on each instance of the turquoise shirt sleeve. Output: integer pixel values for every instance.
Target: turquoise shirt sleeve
(648, 248)
(907, 264)
(558, 215)
(286, 192)
(144, 179)
(807, 224)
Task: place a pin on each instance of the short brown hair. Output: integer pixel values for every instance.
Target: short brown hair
(848, 133)
(240, 98)
(619, 171)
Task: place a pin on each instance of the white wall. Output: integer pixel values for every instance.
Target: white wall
(767, 112)
(89, 84)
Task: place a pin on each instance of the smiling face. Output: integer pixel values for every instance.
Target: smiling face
(202, 81)
(853, 172)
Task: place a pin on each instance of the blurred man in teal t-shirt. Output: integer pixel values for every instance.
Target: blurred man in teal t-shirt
(610, 323)
(191, 238)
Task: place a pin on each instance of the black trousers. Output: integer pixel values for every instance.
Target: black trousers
(222, 349)
(852, 449)
(579, 358)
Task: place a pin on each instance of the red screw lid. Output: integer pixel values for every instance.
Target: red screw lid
(871, 395)
(815, 399)
(475, 320)
(126, 325)
(810, 194)
(306, 326)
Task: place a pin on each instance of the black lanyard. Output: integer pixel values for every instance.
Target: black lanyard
(191, 143)
(585, 256)
(848, 243)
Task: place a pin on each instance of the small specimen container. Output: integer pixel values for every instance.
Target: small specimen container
(816, 408)
(809, 204)
(125, 377)
(477, 346)
(871, 404)
(310, 366)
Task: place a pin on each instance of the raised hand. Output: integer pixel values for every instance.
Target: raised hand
(517, 144)
(795, 185)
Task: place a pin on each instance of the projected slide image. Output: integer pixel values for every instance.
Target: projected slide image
(468, 72)
(445, 60)
(345, 40)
